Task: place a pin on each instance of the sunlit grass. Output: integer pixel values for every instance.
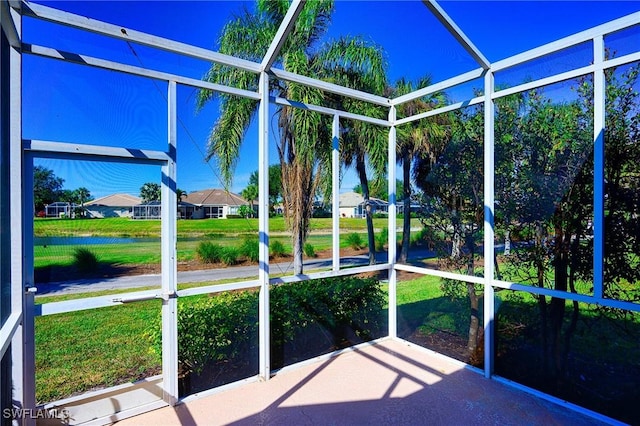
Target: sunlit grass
(125, 227)
(84, 350)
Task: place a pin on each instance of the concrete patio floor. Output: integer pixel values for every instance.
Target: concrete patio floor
(388, 383)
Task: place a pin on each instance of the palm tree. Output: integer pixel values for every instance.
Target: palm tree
(304, 143)
(419, 140)
(366, 144)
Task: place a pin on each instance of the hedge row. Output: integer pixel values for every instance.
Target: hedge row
(224, 326)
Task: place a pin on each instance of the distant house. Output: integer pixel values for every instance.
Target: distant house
(148, 210)
(115, 205)
(61, 209)
(210, 204)
(352, 205)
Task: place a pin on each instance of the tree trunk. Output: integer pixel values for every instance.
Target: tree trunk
(557, 305)
(406, 212)
(507, 243)
(542, 301)
(297, 254)
(364, 184)
(474, 323)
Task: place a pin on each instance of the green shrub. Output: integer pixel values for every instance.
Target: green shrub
(85, 260)
(382, 238)
(229, 255)
(309, 251)
(337, 305)
(321, 213)
(209, 252)
(250, 249)
(212, 328)
(224, 326)
(276, 248)
(354, 240)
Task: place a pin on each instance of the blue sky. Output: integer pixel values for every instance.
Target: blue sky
(75, 104)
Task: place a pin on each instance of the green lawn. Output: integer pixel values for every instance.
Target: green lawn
(123, 227)
(229, 232)
(80, 351)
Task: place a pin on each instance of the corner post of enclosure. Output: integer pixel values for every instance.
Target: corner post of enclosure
(393, 317)
(489, 212)
(21, 220)
(169, 260)
(599, 111)
(335, 191)
(263, 226)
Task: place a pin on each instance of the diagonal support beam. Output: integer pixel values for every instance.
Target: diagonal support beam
(8, 25)
(281, 36)
(456, 32)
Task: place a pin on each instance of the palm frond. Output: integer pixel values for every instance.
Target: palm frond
(353, 62)
(227, 134)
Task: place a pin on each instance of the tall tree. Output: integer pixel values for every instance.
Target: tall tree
(275, 185)
(46, 187)
(80, 196)
(250, 193)
(304, 143)
(421, 139)
(452, 187)
(150, 191)
(379, 188)
(364, 146)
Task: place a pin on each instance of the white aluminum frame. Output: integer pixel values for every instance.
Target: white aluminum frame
(20, 325)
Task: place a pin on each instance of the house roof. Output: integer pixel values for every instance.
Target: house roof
(116, 200)
(353, 199)
(217, 197)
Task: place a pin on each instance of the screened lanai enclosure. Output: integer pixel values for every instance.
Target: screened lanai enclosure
(509, 242)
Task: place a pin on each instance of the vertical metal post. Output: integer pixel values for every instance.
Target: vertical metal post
(335, 190)
(263, 225)
(7, 296)
(21, 195)
(393, 248)
(599, 111)
(489, 206)
(169, 260)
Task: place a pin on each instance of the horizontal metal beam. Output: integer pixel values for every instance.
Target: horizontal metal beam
(329, 274)
(437, 87)
(219, 288)
(8, 330)
(441, 274)
(622, 60)
(92, 25)
(441, 110)
(92, 302)
(329, 87)
(130, 69)
(544, 82)
(557, 78)
(566, 42)
(329, 111)
(457, 33)
(52, 149)
(584, 298)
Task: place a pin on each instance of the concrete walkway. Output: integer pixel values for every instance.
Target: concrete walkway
(390, 383)
(150, 280)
